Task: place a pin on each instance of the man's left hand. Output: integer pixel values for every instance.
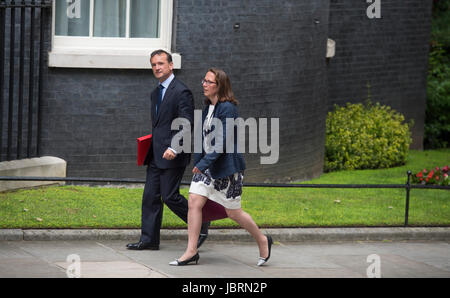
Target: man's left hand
(169, 155)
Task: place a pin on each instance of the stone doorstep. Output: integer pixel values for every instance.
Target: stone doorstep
(47, 166)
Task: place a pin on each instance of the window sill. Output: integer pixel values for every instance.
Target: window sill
(91, 58)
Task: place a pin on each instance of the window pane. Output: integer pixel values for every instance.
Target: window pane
(110, 18)
(72, 17)
(144, 20)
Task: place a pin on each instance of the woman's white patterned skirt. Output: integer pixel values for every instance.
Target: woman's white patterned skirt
(225, 191)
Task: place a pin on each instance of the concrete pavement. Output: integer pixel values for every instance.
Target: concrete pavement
(385, 252)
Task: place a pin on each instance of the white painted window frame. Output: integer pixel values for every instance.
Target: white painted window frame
(108, 52)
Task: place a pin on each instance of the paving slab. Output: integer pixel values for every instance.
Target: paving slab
(113, 269)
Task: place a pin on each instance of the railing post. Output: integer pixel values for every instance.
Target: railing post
(21, 80)
(2, 65)
(31, 95)
(408, 190)
(43, 16)
(12, 38)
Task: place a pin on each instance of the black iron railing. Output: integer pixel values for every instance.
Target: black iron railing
(22, 61)
(408, 186)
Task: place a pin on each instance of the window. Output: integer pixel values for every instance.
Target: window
(110, 33)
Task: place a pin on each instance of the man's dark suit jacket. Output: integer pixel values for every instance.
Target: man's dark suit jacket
(178, 102)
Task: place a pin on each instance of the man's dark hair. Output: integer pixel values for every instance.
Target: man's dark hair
(160, 52)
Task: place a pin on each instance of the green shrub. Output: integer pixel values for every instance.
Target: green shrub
(365, 136)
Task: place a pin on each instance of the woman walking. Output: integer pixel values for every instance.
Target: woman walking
(218, 174)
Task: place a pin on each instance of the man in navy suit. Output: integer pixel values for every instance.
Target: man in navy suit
(165, 167)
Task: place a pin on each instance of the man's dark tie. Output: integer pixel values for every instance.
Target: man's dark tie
(160, 98)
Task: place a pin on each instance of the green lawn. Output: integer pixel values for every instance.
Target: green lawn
(94, 207)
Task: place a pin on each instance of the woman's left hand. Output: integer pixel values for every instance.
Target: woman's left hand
(195, 170)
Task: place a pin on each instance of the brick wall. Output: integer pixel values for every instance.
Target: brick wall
(93, 117)
(390, 54)
(276, 62)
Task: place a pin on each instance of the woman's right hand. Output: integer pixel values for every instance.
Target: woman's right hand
(195, 170)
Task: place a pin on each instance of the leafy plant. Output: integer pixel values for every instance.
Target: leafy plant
(365, 136)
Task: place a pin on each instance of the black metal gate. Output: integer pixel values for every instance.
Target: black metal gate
(22, 33)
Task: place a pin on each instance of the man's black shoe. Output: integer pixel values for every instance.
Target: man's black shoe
(203, 233)
(142, 245)
(201, 239)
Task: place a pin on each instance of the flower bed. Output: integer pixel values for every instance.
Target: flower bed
(436, 176)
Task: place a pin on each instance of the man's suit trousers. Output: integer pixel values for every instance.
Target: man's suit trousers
(162, 186)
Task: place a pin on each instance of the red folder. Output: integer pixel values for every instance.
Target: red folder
(143, 144)
(213, 211)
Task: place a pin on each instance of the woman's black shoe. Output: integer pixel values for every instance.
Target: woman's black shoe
(183, 263)
(262, 261)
